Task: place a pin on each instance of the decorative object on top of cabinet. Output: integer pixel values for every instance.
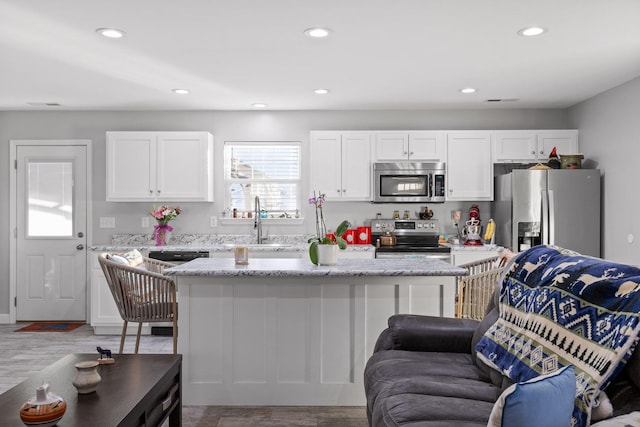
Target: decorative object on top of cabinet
(529, 146)
(469, 166)
(554, 160)
(410, 145)
(341, 163)
(160, 166)
(571, 161)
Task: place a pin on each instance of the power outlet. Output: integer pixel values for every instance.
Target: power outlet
(213, 221)
(107, 222)
(145, 222)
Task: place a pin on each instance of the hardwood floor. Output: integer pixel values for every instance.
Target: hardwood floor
(24, 353)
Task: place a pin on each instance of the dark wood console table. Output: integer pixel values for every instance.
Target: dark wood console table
(137, 390)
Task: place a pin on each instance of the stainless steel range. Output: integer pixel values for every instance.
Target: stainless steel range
(415, 238)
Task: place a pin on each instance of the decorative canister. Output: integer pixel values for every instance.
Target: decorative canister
(44, 410)
(363, 236)
(87, 376)
(350, 236)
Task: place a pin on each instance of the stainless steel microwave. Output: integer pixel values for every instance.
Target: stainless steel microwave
(406, 182)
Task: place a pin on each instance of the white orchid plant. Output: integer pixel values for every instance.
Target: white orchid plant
(321, 237)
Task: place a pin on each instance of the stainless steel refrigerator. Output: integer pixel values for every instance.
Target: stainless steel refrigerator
(559, 207)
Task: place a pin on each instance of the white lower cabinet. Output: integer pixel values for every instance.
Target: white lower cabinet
(287, 340)
(465, 256)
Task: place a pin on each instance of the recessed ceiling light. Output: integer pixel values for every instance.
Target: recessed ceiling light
(112, 33)
(531, 31)
(467, 90)
(181, 91)
(321, 91)
(317, 32)
(259, 105)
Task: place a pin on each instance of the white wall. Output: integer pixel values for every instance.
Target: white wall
(232, 126)
(609, 126)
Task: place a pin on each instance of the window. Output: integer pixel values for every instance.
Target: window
(270, 170)
(50, 195)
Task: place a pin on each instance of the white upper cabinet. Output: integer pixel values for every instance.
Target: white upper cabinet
(341, 164)
(356, 166)
(159, 166)
(416, 146)
(514, 145)
(326, 163)
(565, 141)
(392, 146)
(469, 166)
(533, 146)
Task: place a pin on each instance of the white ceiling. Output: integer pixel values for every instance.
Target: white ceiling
(382, 54)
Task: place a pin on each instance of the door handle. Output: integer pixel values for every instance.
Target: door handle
(552, 218)
(80, 247)
(544, 219)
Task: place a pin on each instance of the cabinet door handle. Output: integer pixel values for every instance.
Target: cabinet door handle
(404, 153)
(344, 191)
(533, 152)
(158, 191)
(150, 192)
(338, 190)
(541, 151)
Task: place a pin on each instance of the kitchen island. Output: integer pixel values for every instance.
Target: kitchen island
(287, 332)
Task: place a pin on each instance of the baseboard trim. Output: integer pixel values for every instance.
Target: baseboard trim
(5, 318)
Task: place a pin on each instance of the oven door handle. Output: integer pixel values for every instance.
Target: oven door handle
(443, 256)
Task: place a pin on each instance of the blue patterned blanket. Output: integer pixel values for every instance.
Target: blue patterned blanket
(559, 308)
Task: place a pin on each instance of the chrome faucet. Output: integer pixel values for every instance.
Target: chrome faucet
(257, 224)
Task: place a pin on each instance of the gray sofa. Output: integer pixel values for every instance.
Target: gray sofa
(424, 372)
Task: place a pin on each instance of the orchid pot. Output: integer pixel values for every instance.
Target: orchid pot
(327, 254)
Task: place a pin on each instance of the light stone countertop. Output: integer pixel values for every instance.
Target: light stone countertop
(213, 243)
(294, 247)
(302, 267)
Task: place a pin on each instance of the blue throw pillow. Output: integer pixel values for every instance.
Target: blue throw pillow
(547, 400)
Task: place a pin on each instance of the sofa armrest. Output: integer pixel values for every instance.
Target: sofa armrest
(427, 333)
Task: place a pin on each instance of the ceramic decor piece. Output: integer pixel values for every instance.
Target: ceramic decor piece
(43, 410)
(87, 377)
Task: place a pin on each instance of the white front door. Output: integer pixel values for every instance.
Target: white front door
(51, 221)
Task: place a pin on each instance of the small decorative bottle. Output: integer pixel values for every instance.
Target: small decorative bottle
(44, 410)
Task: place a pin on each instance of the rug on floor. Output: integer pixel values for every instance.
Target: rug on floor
(50, 327)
